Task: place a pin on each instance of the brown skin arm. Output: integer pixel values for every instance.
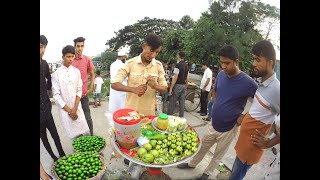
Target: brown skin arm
(91, 82)
(154, 85)
(205, 85)
(75, 107)
(263, 142)
(214, 95)
(174, 80)
(94, 87)
(141, 89)
(240, 118)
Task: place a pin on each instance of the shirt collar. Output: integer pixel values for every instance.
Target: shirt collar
(65, 67)
(269, 80)
(153, 61)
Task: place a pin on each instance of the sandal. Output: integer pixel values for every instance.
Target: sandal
(94, 106)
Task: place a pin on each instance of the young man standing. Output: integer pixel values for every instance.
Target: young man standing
(205, 87)
(86, 67)
(46, 119)
(178, 85)
(230, 94)
(262, 114)
(145, 77)
(67, 90)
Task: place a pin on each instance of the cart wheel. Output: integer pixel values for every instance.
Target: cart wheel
(192, 101)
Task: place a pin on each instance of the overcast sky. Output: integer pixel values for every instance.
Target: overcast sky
(61, 21)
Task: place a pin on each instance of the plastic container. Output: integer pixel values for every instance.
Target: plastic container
(127, 132)
(162, 121)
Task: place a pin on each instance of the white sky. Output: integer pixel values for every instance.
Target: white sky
(61, 21)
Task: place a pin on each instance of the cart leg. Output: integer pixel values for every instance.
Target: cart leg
(154, 174)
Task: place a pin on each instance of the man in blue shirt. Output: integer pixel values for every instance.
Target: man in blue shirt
(231, 91)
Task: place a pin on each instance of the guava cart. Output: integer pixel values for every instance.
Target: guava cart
(152, 169)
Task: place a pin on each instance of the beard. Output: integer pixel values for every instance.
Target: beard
(256, 73)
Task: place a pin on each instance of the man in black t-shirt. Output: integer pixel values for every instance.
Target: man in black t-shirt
(178, 85)
(46, 119)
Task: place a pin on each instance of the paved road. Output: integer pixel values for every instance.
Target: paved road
(101, 126)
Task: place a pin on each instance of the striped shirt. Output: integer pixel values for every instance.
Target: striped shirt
(262, 114)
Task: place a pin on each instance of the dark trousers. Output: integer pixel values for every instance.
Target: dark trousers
(48, 123)
(204, 102)
(86, 110)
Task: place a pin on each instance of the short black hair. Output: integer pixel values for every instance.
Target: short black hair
(153, 40)
(79, 39)
(98, 72)
(205, 63)
(43, 40)
(182, 55)
(229, 51)
(68, 49)
(265, 49)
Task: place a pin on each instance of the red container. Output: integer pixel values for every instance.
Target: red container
(121, 113)
(127, 132)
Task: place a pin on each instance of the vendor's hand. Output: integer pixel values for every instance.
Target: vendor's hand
(202, 90)
(141, 89)
(259, 139)
(152, 83)
(170, 92)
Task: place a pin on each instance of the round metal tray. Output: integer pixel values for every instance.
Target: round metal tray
(154, 125)
(186, 159)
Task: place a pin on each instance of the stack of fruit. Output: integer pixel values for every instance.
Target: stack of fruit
(80, 166)
(174, 147)
(88, 144)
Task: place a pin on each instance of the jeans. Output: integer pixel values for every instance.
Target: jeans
(210, 109)
(239, 170)
(86, 110)
(178, 93)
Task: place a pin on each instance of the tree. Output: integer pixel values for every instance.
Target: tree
(133, 35)
(186, 22)
(231, 22)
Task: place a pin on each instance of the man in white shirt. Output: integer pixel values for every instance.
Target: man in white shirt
(205, 86)
(67, 91)
(117, 99)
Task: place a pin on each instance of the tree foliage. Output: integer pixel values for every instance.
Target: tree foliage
(133, 35)
(231, 22)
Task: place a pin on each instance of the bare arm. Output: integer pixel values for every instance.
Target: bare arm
(263, 142)
(214, 94)
(205, 85)
(91, 82)
(120, 87)
(140, 90)
(174, 80)
(161, 89)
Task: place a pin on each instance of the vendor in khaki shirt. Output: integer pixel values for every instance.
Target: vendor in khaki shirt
(145, 77)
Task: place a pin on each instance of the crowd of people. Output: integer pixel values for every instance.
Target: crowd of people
(134, 84)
